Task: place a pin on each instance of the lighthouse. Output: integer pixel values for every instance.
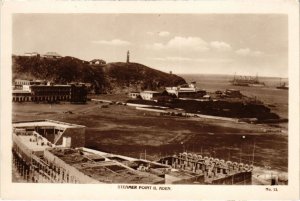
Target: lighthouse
(127, 61)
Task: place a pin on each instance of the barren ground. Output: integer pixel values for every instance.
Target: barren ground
(125, 130)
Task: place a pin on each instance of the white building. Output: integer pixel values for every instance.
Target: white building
(176, 90)
(134, 95)
(97, 62)
(149, 95)
(52, 55)
(31, 54)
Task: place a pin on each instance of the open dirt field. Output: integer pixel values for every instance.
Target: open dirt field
(125, 130)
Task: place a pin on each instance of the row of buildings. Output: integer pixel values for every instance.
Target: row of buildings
(41, 91)
(51, 151)
(50, 55)
(184, 91)
(55, 55)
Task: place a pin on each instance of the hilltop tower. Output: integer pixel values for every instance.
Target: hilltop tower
(127, 61)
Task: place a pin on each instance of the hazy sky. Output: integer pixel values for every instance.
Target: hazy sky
(182, 43)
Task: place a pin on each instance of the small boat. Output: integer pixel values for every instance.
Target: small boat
(283, 86)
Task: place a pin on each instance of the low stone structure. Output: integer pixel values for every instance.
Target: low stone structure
(215, 171)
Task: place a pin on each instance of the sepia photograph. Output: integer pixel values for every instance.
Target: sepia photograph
(151, 101)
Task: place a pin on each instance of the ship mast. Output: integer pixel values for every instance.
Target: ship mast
(253, 152)
(256, 79)
(280, 82)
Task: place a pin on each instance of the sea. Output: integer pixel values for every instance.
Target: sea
(277, 99)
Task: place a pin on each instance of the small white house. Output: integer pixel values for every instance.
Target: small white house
(134, 95)
(31, 54)
(97, 62)
(52, 55)
(149, 95)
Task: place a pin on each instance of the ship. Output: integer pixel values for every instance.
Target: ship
(282, 85)
(247, 81)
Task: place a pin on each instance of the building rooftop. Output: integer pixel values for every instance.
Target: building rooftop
(21, 91)
(31, 52)
(46, 122)
(21, 80)
(55, 85)
(34, 143)
(104, 169)
(30, 140)
(52, 54)
(150, 92)
(182, 174)
(94, 60)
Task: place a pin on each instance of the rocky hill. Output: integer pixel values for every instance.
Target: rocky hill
(135, 77)
(116, 77)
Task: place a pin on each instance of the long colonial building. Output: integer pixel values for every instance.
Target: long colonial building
(33, 92)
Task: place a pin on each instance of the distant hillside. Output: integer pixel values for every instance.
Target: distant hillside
(109, 78)
(136, 76)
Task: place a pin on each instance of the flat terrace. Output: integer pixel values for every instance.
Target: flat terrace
(134, 163)
(45, 123)
(30, 141)
(21, 91)
(34, 145)
(104, 169)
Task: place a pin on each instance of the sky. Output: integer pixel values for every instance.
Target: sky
(245, 44)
